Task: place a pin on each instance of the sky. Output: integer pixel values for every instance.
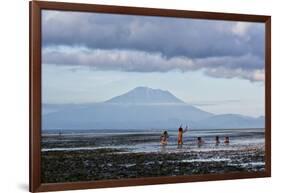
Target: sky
(218, 66)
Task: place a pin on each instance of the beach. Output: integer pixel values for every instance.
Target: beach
(89, 156)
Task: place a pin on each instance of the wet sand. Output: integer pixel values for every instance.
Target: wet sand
(104, 163)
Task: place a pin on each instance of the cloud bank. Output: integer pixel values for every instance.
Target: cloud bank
(154, 44)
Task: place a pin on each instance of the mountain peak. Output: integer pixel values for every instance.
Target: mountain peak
(145, 95)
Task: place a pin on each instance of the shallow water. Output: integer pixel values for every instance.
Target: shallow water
(144, 141)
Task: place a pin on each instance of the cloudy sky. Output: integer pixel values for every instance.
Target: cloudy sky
(216, 65)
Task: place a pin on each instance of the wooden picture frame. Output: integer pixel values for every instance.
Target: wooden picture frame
(36, 8)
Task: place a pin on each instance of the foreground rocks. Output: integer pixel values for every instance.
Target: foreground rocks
(107, 163)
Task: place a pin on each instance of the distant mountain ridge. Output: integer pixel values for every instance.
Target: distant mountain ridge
(141, 108)
(144, 95)
(231, 121)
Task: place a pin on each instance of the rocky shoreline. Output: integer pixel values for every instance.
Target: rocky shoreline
(110, 163)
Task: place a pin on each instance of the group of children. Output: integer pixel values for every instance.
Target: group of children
(164, 138)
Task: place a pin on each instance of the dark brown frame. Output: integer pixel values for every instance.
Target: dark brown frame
(35, 7)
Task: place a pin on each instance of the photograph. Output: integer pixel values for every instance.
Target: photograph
(136, 96)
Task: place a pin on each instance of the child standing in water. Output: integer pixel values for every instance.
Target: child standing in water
(164, 138)
(180, 135)
(217, 140)
(200, 141)
(226, 140)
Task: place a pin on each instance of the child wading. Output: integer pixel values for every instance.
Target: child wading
(200, 141)
(180, 134)
(164, 138)
(226, 140)
(217, 140)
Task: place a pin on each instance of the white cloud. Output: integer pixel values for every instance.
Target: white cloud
(241, 28)
(246, 66)
(251, 75)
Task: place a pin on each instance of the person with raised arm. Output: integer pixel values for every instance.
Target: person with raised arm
(180, 135)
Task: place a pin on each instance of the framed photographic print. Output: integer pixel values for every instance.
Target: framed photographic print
(123, 96)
